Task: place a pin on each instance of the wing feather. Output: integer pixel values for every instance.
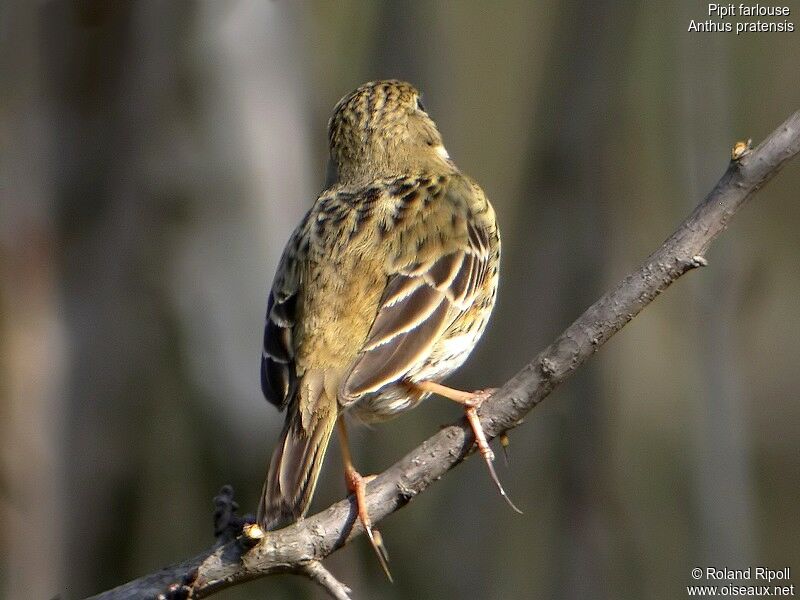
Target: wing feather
(278, 376)
(389, 362)
(420, 301)
(430, 282)
(401, 317)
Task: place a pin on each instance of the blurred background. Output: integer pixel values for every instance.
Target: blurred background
(157, 155)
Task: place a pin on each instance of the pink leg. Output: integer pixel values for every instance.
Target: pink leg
(471, 402)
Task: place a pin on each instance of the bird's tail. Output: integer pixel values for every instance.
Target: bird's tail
(296, 461)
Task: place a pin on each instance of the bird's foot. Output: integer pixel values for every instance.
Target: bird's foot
(471, 406)
(471, 410)
(472, 401)
(357, 485)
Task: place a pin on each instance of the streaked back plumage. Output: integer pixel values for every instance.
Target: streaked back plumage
(388, 280)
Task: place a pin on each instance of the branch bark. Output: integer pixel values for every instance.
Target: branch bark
(300, 547)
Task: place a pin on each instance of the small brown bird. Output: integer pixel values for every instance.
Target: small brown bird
(382, 291)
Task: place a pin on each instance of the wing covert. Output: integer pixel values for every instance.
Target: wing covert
(419, 303)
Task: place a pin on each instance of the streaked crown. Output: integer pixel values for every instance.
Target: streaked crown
(381, 129)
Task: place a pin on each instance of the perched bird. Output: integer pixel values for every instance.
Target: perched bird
(382, 291)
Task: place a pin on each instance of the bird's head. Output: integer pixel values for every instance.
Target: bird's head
(381, 129)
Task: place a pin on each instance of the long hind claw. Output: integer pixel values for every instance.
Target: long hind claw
(471, 410)
(471, 401)
(358, 486)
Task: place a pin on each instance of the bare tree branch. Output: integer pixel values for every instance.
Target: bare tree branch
(316, 572)
(300, 547)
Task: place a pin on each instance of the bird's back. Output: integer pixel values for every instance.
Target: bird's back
(354, 243)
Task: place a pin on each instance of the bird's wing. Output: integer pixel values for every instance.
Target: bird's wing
(278, 377)
(442, 260)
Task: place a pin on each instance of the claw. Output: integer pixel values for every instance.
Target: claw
(505, 443)
(471, 401)
(486, 452)
(383, 554)
(358, 485)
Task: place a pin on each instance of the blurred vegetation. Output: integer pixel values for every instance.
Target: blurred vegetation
(155, 158)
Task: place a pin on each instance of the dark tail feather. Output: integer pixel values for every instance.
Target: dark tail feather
(296, 461)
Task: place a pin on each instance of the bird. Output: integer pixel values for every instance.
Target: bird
(382, 291)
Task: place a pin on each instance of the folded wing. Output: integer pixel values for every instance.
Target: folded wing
(419, 303)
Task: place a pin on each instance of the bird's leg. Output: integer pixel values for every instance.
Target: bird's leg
(471, 401)
(357, 485)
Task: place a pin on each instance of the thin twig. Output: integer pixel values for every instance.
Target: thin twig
(315, 538)
(316, 572)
